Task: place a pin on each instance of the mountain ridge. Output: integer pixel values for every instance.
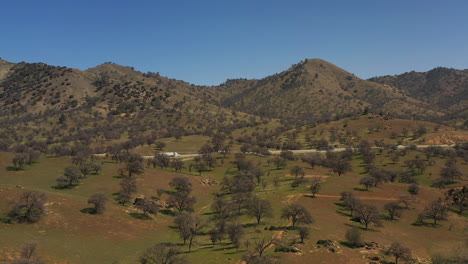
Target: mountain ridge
(312, 90)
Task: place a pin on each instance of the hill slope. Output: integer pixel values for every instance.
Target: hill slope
(316, 90)
(443, 87)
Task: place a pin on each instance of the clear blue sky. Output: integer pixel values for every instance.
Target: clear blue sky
(206, 42)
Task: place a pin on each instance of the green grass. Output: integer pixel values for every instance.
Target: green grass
(66, 234)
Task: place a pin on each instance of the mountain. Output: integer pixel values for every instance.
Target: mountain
(442, 87)
(316, 90)
(107, 102)
(311, 91)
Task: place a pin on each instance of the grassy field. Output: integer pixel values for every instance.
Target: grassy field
(66, 235)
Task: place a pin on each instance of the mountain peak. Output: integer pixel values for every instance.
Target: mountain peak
(2, 62)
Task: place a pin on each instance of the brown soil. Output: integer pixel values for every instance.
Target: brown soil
(448, 138)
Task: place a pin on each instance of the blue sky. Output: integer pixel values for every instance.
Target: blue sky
(206, 42)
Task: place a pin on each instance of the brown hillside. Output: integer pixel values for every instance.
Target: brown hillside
(442, 87)
(317, 90)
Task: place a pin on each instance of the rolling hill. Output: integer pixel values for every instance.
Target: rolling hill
(442, 87)
(316, 90)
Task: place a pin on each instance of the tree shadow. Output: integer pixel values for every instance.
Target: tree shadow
(167, 212)
(120, 176)
(64, 187)
(208, 213)
(6, 220)
(225, 248)
(13, 168)
(342, 213)
(349, 244)
(360, 189)
(89, 210)
(425, 224)
(249, 225)
(140, 216)
(362, 228)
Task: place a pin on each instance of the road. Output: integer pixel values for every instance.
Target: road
(300, 151)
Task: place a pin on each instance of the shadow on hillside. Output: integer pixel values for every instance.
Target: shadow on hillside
(6, 220)
(13, 168)
(342, 213)
(349, 244)
(140, 216)
(167, 212)
(89, 210)
(360, 189)
(425, 224)
(362, 228)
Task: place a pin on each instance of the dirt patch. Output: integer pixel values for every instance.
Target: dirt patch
(448, 138)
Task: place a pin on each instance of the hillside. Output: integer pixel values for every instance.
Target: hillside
(112, 103)
(104, 104)
(315, 90)
(443, 87)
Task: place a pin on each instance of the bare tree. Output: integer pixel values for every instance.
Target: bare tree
(147, 205)
(259, 208)
(223, 210)
(368, 214)
(128, 186)
(338, 163)
(177, 164)
(315, 185)
(296, 213)
(181, 184)
(279, 162)
(241, 199)
(451, 173)
(182, 201)
(71, 176)
(393, 209)
(354, 237)
(162, 253)
(304, 233)
(235, 232)
(134, 165)
(29, 207)
(28, 255)
(188, 226)
(436, 210)
(399, 252)
(262, 245)
(350, 201)
(297, 170)
(367, 181)
(413, 189)
(99, 201)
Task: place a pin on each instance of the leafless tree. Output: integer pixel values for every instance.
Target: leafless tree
(350, 201)
(296, 213)
(182, 201)
(393, 209)
(259, 208)
(29, 207)
(436, 210)
(128, 186)
(147, 205)
(399, 252)
(99, 201)
(162, 253)
(368, 214)
(315, 185)
(304, 233)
